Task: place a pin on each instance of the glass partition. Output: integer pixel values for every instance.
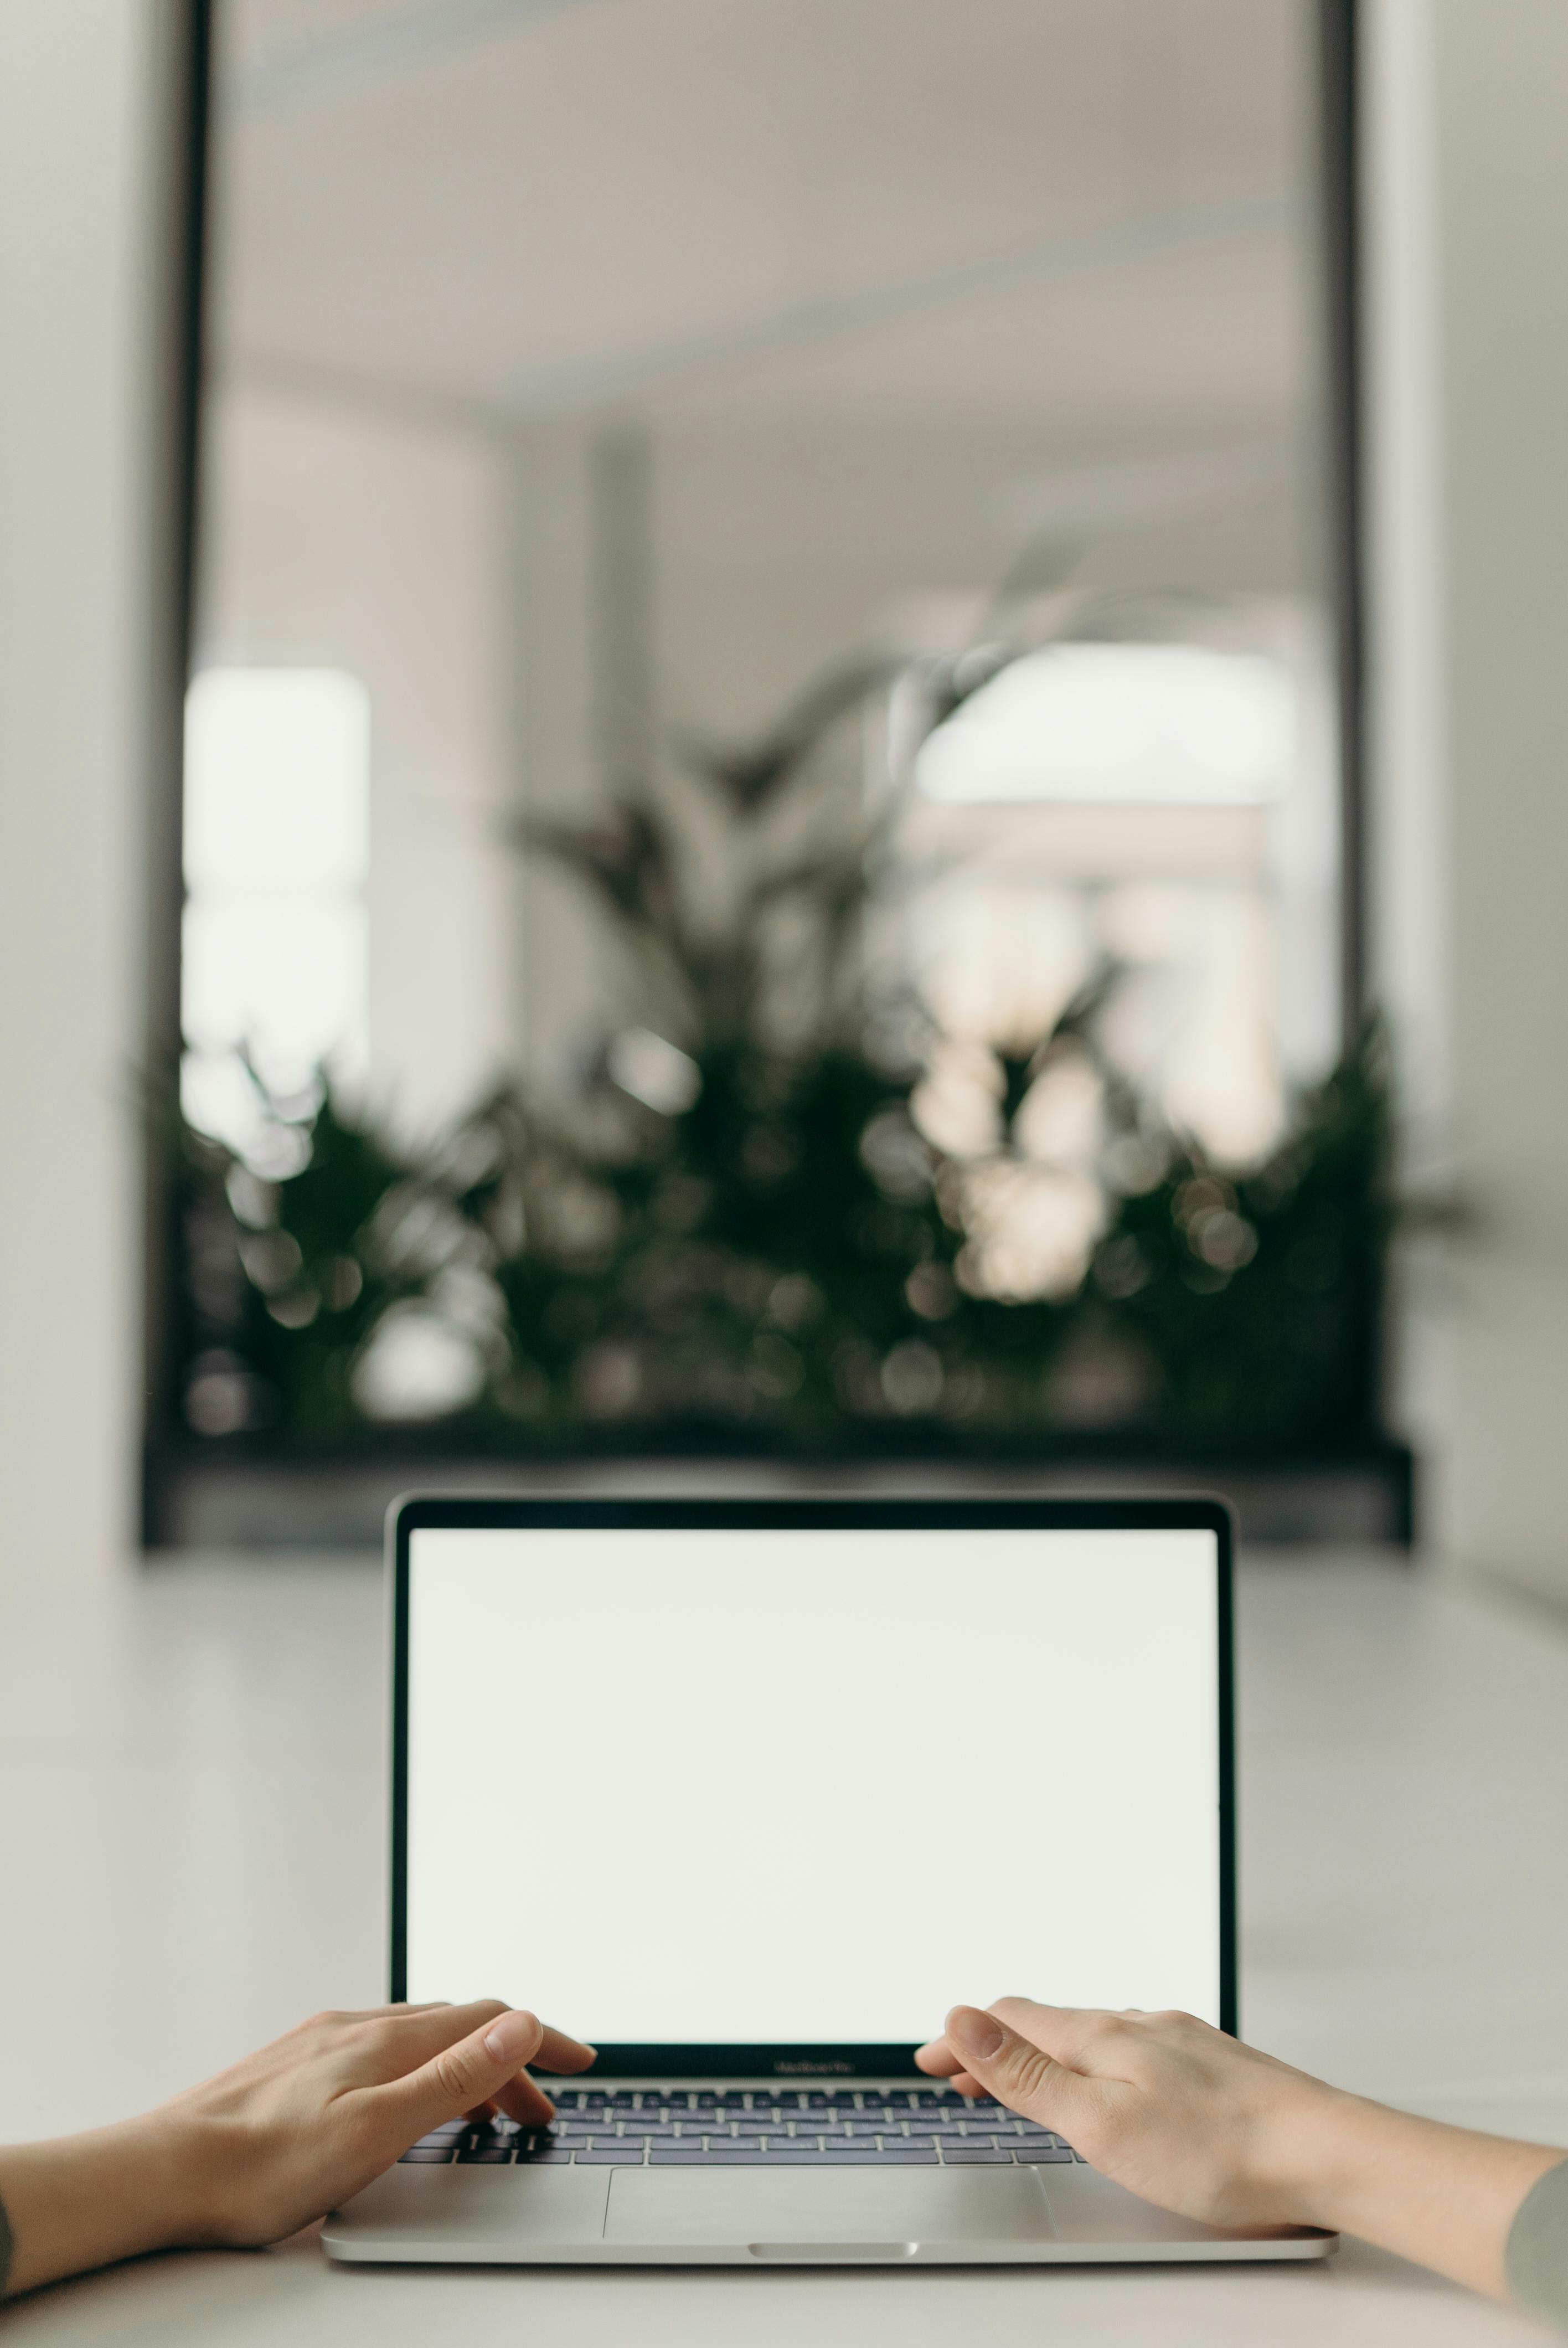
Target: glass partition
(762, 831)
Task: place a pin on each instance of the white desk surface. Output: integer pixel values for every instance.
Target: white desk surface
(191, 1787)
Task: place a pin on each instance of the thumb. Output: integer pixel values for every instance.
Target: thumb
(1018, 2074)
(463, 2074)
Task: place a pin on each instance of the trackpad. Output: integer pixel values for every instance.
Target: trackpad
(778, 2212)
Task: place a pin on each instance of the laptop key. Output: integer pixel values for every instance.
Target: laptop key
(628, 2155)
(557, 2157)
(423, 2157)
(845, 2156)
(975, 2156)
(486, 2155)
(1035, 2156)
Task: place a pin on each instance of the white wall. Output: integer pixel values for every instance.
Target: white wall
(558, 740)
(1470, 166)
(77, 81)
(1409, 826)
(338, 537)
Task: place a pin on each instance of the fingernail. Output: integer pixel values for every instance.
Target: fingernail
(512, 2037)
(979, 2035)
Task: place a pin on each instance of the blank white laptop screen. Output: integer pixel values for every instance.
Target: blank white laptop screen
(811, 1785)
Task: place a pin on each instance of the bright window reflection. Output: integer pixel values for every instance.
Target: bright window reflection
(277, 851)
(1166, 810)
(1160, 725)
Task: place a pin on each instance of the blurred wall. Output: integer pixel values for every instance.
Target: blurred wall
(80, 82)
(351, 538)
(1469, 176)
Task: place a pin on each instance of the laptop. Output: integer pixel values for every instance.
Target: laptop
(748, 1794)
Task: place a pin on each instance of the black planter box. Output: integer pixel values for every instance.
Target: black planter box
(228, 1496)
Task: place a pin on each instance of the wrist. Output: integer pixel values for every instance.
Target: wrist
(183, 2177)
(1310, 2152)
(1441, 2196)
(83, 2201)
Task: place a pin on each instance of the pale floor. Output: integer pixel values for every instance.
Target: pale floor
(191, 1774)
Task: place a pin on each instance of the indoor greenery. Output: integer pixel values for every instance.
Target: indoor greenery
(734, 1232)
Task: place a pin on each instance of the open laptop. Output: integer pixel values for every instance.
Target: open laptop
(747, 1794)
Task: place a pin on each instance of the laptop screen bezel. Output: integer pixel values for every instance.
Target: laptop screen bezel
(797, 2063)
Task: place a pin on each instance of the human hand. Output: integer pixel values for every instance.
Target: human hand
(285, 2136)
(293, 2130)
(1166, 2105)
(1200, 2124)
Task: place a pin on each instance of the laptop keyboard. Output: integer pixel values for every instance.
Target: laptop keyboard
(685, 2128)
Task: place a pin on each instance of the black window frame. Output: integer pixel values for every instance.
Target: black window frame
(1337, 25)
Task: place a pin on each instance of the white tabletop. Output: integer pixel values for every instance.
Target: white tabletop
(192, 1780)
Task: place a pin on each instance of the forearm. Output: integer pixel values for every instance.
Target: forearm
(1444, 2197)
(84, 2200)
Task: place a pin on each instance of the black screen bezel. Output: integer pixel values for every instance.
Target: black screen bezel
(793, 2061)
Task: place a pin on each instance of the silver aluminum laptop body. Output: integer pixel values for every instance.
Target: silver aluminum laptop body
(797, 2148)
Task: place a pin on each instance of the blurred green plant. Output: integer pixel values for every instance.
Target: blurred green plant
(738, 1228)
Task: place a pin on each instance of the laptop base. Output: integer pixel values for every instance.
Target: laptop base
(771, 2217)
